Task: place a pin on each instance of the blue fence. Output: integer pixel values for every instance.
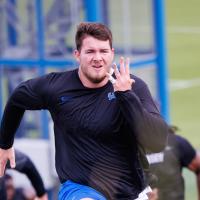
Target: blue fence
(93, 10)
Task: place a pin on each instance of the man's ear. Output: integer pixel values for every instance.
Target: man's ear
(113, 52)
(77, 55)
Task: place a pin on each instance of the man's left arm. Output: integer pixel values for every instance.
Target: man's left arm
(143, 118)
(139, 109)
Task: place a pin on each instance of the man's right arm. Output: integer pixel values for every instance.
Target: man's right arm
(12, 116)
(29, 95)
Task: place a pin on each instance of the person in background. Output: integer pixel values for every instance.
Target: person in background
(16, 193)
(167, 167)
(3, 189)
(100, 120)
(25, 166)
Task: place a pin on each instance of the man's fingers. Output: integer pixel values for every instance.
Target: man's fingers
(122, 69)
(132, 81)
(124, 66)
(117, 73)
(127, 66)
(2, 168)
(12, 162)
(12, 159)
(123, 81)
(5, 155)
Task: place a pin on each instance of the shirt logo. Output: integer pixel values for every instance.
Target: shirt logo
(111, 96)
(65, 99)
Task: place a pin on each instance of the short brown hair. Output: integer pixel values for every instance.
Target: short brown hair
(96, 30)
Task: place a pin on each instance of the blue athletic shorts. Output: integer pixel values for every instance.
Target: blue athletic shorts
(73, 191)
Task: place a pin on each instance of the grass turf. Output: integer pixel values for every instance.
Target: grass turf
(183, 39)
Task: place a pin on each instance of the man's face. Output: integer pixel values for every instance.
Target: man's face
(95, 58)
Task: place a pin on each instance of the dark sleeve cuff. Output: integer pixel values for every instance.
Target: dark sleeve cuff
(6, 146)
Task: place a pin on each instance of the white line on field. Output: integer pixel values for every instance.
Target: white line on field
(173, 29)
(183, 84)
(184, 29)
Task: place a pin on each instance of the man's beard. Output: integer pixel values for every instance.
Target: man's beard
(96, 79)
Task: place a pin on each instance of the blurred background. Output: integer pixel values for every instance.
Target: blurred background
(162, 39)
(183, 41)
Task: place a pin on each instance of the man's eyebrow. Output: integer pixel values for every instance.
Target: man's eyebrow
(90, 49)
(104, 49)
(99, 49)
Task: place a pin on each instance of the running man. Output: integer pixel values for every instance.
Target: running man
(99, 124)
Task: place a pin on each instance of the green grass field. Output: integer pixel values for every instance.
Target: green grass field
(183, 40)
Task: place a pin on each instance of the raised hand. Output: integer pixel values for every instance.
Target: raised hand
(123, 80)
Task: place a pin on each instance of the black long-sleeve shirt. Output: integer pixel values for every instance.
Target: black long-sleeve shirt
(97, 131)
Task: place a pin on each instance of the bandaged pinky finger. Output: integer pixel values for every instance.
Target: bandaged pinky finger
(112, 79)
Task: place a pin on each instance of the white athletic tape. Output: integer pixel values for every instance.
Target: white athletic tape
(111, 78)
(111, 71)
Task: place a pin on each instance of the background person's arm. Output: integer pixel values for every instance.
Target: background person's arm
(3, 188)
(195, 167)
(189, 158)
(27, 167)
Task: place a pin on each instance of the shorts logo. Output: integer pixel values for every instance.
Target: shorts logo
(111, 96)
(155, 158)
